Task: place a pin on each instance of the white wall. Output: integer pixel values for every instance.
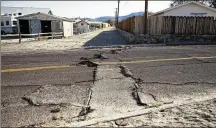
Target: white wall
(68, 29)
(187, 10)
(83, 27)
(8, 18)
(11, 28)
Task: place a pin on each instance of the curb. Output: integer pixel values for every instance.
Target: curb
(122, 46)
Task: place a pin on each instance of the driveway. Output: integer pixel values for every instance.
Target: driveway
(106, 38)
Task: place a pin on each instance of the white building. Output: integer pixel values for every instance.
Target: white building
(188, 9)
(45, 23)
(8, 24)
(81, 26)
(9, 14)
(95, 24)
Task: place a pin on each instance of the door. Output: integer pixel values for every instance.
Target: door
(24, 26)
(35, 26)
(46, 26)
(68, 28)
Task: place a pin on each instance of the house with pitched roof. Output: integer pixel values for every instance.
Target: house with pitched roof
(9, 14)
(44, 23)
(188, 9)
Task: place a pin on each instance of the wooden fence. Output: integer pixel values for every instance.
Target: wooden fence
(37, 36)
(127, 25)
(170, 25)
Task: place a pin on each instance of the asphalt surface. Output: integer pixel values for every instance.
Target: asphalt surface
(106, 38)
(32, 96)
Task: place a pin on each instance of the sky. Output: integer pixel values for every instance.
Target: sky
(91, 9)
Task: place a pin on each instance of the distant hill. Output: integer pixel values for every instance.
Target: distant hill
(105, 18)
(130, 15)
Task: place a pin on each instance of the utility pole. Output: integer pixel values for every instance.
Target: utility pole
(146, 17)
(118, 12)
(116, 16)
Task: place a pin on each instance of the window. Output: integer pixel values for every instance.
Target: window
(10, 14)
(81, 23)
(2, 23)
(7, 22)
(14, 14)
(14, 22)
(19, 13)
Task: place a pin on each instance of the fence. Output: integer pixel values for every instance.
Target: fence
(37, 36)
(170, 25)
(127, 24)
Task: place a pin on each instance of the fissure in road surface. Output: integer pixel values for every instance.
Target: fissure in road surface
(94, 64)
(109, 95)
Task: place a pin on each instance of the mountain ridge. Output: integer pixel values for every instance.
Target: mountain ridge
(105, 18)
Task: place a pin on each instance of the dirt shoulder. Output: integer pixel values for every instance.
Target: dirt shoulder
(76, 41)
(200, 114)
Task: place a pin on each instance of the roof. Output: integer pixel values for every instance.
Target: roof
(94, 22)
(191, 2)
(82, 21)
(45, 15)
(77, 20)
(23, 10)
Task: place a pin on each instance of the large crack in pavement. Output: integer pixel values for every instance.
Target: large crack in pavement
(115, 90)
(49, 105)
(112, 95)
(112, 92)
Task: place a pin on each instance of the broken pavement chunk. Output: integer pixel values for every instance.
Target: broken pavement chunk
(55, 110)
(146, 98)
(83, 58)
(121, 122)
(100, 56)
(88, 63)
(58, 95)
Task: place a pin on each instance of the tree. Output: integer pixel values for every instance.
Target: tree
(50, 12)
(111, 22)
(211, 3)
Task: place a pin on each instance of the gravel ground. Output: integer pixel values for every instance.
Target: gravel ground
(200, 114)
(76, 41)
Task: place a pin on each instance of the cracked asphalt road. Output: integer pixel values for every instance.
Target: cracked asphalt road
(167, 81)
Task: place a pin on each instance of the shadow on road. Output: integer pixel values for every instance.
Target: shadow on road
(106, 38)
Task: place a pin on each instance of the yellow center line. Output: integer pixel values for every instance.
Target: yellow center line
(104, 63)
(34, 68)
(156, 60)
